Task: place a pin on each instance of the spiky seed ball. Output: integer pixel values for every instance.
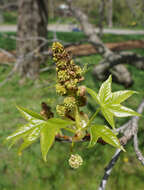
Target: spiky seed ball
(75, 161)
(61, 110)
(70, 102)
(60, 89)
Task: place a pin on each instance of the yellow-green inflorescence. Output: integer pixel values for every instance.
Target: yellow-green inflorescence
(75, 161)
(69, 76)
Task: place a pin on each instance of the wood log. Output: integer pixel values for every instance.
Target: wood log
(89, 49)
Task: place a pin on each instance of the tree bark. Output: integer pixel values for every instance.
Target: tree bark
(51, 9)
(109, 13)
(101, 17)
(32, 28)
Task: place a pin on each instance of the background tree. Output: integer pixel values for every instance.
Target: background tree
(51, 9)
(109, 11)
(32, 28)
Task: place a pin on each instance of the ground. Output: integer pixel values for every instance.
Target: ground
(69, 27)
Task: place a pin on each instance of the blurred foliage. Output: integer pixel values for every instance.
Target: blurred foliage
(124, 14)
(29, 171)
(10, 17)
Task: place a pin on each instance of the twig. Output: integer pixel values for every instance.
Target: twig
(64, 138)
(108, 169)
(132, 126)
(123, 127)
(137, 151)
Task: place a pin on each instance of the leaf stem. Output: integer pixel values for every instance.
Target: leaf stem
(70, 130)
(91, 119)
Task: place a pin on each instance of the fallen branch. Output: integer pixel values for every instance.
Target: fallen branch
(101, 70)
(88, 49)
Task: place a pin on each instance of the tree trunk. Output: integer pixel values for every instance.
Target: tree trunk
(101, 17)
(51, 9)
(32, 30)
(109, 13)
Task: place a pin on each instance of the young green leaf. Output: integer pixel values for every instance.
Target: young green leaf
(105, 90)
(110, 102)
(93, 94)
(120, 96)
(122, 111)
(109, 116)
(22, 131)
(93, 137)
(48, 132)
(59, 123)
(106, 134)
(31, 131)
(29, 139)
(47, 137)
(29, 115)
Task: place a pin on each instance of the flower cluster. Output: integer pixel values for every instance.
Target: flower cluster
(68, 77)
(75, 161)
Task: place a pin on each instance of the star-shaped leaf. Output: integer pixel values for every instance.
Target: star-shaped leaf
(37, 127)
(110, 103)
(106, 134)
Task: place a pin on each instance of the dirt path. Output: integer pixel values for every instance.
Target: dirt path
(69, 28)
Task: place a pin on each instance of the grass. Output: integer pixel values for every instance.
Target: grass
(29, 171)
(10, 17)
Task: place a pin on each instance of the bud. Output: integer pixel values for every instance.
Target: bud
(75, 161)
(81, 91)
(81, 100)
